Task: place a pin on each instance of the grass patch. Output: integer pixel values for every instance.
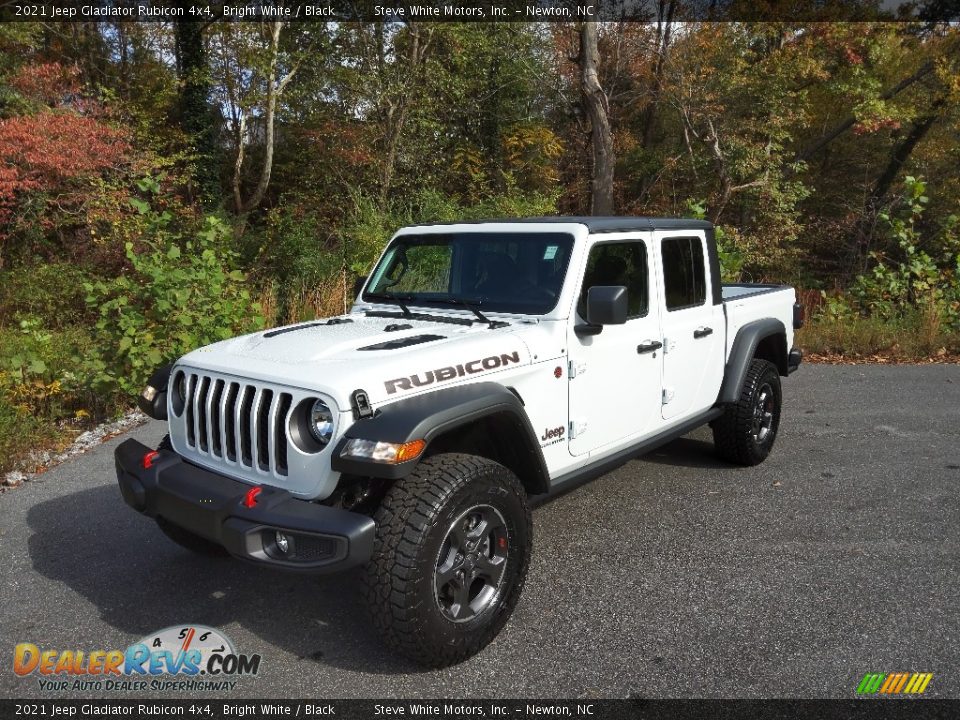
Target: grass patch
(21, 432)
(917, 337)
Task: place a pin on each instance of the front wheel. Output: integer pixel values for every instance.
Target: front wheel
(450, 558)
(745, 433)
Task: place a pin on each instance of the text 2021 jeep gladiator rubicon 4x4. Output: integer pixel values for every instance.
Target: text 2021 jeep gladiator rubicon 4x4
(483, 365)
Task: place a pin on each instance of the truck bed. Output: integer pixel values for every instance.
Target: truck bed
(745, 302)
(732, 291)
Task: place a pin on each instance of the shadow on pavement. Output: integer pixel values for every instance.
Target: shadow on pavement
(688, 452)
(140, 582)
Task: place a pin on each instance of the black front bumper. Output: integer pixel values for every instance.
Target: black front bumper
(320, 539)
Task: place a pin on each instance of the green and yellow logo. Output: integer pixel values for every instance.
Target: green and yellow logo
(894, 683)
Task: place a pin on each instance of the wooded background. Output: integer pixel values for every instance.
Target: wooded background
(166, 184)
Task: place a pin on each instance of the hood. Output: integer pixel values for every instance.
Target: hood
(389, 358)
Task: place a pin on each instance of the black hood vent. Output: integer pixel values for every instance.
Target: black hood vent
(403, 342)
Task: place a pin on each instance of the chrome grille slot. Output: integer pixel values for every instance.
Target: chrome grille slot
(280, 436)
(188, 411)
(230, 421)
(200, 412)
(242, 428)
(261, 428)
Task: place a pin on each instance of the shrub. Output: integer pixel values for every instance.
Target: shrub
(53, 293)
(730, 257)
(179, 295)
(912, 279)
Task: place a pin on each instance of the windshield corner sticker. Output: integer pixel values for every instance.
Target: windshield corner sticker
(452, 371)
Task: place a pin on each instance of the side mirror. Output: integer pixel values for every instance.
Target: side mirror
(358, 284)
(606, 305)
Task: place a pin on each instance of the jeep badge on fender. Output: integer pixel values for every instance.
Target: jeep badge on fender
(400, 437)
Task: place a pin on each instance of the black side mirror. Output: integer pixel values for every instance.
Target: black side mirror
(358, 284)
(606, 305)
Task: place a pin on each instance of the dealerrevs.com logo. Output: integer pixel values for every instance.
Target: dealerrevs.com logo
(180, 657)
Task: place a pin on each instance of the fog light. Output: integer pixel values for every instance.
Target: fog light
(283, 544)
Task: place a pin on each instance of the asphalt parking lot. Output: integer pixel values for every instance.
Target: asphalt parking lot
(673, 576)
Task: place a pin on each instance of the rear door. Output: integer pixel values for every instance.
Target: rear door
(693, 327)
(614, 389)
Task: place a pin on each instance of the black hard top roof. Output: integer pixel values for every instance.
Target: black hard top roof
(598, 224)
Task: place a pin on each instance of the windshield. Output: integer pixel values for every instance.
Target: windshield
(498, 272)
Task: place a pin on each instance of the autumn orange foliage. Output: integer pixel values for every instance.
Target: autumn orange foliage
(51, 150)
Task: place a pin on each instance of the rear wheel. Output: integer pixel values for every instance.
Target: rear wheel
(745, 433)
(451, 555)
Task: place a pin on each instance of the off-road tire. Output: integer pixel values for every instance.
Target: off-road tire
(735, 433)
(414, 522)
(185, 538)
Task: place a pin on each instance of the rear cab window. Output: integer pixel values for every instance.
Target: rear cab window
(684, 276)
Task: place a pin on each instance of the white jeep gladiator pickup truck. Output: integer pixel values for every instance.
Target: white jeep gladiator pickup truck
(483, 366)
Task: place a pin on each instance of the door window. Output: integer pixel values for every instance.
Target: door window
(684, 284)
(618, 264)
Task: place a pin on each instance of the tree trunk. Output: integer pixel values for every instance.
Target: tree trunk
(664, 26)
(275, 89)
(601, 200)
(195, 111)
(396, 111)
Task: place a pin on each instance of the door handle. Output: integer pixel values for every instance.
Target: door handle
(702, 332)
(649, 346)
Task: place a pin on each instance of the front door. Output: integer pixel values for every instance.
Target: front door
(615, 375)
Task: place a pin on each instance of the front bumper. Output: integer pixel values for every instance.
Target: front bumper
(321, 539)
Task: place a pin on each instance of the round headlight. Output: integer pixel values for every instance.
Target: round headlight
(320, 422)
(178, 397)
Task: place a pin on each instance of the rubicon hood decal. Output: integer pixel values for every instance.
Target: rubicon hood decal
(450, 372)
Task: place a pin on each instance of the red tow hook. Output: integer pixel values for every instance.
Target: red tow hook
(250, 499)
(149, 458)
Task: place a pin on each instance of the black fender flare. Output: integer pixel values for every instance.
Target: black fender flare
(428, 416)
(744, 348)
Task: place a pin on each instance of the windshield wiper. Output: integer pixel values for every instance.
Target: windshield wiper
(473, 305)
(397, 299)
(401, 300)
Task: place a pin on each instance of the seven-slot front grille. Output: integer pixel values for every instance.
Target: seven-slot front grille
(237, 422)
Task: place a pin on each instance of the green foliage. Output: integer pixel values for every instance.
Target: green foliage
(52, 293)
(731, 259)
(909, 278)
(180, 294)
(20, 432)
(38, 370)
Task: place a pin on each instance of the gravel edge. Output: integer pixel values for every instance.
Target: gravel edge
(46, 459)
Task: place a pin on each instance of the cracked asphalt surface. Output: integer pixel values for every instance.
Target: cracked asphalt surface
(675, 575)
